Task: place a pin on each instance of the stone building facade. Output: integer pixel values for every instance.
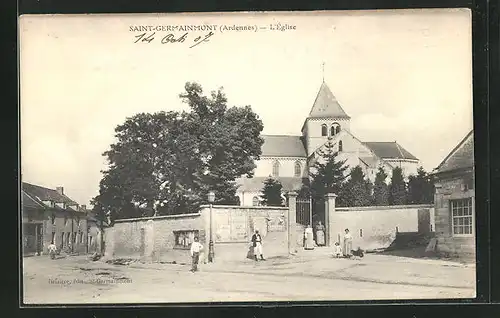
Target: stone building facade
(48, 215)
(289, 158)
(455, 201)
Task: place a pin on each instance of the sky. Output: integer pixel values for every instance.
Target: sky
(402, 75)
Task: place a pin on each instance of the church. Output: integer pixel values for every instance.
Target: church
(289, 158)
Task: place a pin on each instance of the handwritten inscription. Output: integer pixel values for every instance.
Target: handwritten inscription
(172, 38)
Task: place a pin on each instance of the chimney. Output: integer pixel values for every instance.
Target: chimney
(60, 190)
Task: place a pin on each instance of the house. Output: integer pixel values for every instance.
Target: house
(289, 158)
(454, 201)
(48, 215)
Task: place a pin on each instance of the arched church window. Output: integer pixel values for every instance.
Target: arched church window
(255, 201)
(324, 130)
(337, 129)
(340, 146)
(332, 131)
(298, 169)
(276, 169)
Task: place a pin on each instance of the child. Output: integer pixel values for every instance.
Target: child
(52, 250)
(337, 250)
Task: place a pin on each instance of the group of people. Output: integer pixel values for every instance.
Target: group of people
(255, 248)
(344, 250)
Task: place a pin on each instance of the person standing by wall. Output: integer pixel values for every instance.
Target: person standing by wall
(196, 248)
(320, 234)
(347, 243)
(257, 246)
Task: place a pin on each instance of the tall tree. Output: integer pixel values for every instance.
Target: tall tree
(380, 188)
(167, 162)
(357, 190)
(328, 173)
(397, 188)
(271, 193)
(420, 188)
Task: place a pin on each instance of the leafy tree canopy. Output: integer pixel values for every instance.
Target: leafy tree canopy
(420, 188)
(167, 162)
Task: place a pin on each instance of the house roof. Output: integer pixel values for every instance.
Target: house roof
(326, 105)
(283, 146)
(29, 202)
(390, 150)
(33, 196)
(257, 183)
(461, 157)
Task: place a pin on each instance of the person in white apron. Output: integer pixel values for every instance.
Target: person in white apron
(347, 248)
(320, 234)
(257, 246)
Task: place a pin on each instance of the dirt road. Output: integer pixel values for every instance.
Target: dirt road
(78, 280)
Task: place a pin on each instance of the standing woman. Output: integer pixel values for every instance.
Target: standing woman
(320, 234)
(347, 243)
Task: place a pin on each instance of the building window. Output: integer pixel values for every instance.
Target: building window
(332, 131)
(276, 169)
(340, 146)
(78, 221)
(53, 238)
(324, 130)
(255, 201)
(298, 169)
(461, 215)
(183, 239)
(337, 129)
(53, 219)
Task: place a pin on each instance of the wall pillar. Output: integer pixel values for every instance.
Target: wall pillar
(109, 250)
(205, 233)
(149, 241)
(291, 221)
(329, 218)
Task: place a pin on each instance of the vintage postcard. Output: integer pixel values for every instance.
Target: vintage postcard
(241, 157)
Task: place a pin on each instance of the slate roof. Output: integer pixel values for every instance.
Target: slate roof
(390, 150)
(461, 157)
(283, 146)
(33, 196)
(326, 105)
(257, 183)
(29, 202)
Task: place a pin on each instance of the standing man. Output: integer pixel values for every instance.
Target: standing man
(257, 246)
(196, 248)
